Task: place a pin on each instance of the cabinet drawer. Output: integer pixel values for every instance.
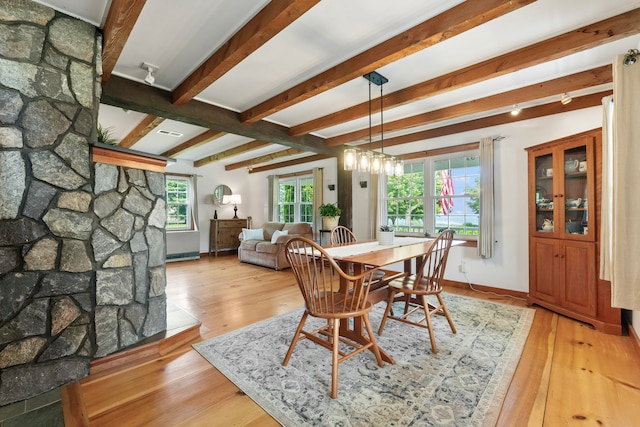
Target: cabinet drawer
(233, 223)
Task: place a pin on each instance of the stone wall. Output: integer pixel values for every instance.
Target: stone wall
(129, 249)
(81, 245)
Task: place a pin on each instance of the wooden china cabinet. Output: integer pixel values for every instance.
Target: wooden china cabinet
(564, 212)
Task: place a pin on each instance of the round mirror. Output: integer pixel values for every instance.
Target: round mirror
(219, 193)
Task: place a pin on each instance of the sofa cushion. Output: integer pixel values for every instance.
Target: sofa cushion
(252, 234)
(270, 227)
(249, 245)
(277, 234)
(298, 228)
(266, 247)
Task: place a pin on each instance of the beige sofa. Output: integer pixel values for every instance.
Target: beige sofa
(263, 252)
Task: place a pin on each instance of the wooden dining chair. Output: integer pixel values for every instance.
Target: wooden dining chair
(416, 287)
(319, 278)
(341, 234)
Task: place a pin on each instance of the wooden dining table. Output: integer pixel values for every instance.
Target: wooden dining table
(361, 254)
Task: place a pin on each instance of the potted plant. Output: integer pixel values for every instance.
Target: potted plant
(330, 213)
(104, 135)
(385, 235)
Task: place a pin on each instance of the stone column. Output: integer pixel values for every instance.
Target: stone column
(48, 112)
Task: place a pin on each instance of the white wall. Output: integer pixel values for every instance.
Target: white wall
(508, 269)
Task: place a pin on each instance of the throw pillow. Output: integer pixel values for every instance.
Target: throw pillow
(252, 234)
(277, 234)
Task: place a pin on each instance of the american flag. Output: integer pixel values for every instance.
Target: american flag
(446, 190)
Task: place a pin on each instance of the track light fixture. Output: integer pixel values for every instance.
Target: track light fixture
(631, 57)
(566, 99)
(515, 110)
(150, 78)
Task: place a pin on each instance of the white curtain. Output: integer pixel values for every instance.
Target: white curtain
(485, 229)
(318, 183)
(625, 268)
(606, 203)
(272, 197)
(194, 197)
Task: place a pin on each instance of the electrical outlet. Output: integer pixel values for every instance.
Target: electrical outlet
(463, 266)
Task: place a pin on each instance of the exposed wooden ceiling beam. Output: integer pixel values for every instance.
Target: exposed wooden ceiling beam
(263, 159)
(578, 40)
(147, 124)
(548, 109)
(288, 163)
(585, 79)
(194, 142)
(121, 18)
(244, 148)
(454, 21)
(123, 93)
(272, 19)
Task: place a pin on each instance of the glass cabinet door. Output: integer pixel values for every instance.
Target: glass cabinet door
(576, 191)
(544, 193)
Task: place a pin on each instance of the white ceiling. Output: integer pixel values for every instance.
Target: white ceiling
(177, 36)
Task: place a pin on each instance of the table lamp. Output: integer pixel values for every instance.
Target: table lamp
(235, 200)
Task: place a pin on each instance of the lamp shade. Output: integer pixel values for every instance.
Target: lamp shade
(235, 199)
(350, 157)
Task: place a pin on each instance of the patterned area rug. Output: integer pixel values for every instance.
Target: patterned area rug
(464, 384)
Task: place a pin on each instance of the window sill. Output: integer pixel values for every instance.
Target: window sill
(465, 243)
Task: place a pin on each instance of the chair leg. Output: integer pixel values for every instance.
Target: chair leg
(446, 313)
(296, 338)
(427, 314)
(392, 294)
(374, 343)
(334, 359)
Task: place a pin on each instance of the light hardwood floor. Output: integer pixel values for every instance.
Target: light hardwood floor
(569, 374)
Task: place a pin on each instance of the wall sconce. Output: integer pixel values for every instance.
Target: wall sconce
(363, 184)
(331, 187)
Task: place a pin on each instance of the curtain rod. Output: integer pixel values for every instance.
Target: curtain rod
(184, 175)
(294, 174)
(447, 150)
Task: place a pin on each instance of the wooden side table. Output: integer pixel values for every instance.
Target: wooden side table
(223, 234)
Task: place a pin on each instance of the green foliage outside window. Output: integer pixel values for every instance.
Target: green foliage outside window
(295, 200)
(407, 199)
(177, 192)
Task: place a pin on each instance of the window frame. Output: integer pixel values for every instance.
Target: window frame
(429, 196)
(298, 204)
(189, 203)
(433, 197)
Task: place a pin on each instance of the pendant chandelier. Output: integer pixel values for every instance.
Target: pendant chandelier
(368, 160)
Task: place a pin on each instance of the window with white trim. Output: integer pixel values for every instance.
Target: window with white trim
(179, 203)
(452, 200)
(295, 199)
